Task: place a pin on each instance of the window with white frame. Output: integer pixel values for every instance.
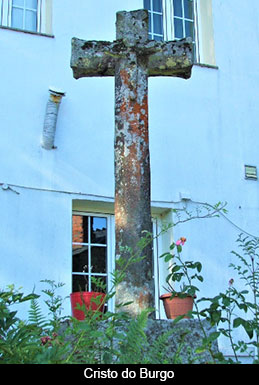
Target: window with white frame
(27, 15)
(91, 251)
(171, 19)
(177, 19)
(155, 13)
(184, 20)
(24, 14)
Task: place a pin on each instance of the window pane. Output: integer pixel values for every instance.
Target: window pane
(178, 28)
(157, 5)
(100, 288)
(188, 9)
(158, 24)
(80, 283)
(98, 230)
(178, 8)
(19, 3)
(17, 18)
(31, 20)
(147, 4)
(31, 4)
(149, 22)
(80, 259)
(98, 259)
(80, 228)
(158, 38)
(189, 30)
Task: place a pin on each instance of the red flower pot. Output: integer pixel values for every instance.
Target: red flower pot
(84, 298)
(176, 306)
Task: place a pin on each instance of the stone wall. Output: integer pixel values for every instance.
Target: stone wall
(184, 337)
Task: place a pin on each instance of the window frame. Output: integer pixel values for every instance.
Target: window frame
(203, 30)
(185, 19)
(110, 246)
(152, 13)
(44, 17)
(24, 11)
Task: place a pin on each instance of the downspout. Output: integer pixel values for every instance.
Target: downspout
(51, 115)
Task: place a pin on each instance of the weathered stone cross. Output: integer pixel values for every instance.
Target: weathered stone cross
(132, 58)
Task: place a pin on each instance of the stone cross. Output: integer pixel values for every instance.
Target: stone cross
(132, 58)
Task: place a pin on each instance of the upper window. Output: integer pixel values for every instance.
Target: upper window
(155, 13)
(27, 15)
(177, 19)
(171, 19)
(24, 14)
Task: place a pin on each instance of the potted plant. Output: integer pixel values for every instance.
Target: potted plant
(179, 303)
(83, 302)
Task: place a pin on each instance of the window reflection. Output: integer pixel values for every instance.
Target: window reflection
(89, 251)
(98, 230)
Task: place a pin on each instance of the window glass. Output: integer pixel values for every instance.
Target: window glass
(178, 26)
(80, 259)
(80, 283)
(31, 4)
(178, 11)
(98, 230)
(157, 5)
(80, 228)
(17, 18)
(31, 20)
(89, 250)
(158, 24)
(98, 260)
(147, 4)
(188, 9)
(158, 38)
(189, 30)
(19, 3)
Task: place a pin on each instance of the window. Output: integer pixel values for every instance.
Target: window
(155, 13)
(27, 15)
(91, 251)
(171, 19)
(177, 19)
(183, 20)
(24, 14)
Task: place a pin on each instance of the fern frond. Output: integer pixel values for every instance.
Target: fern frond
(135, 341)
(35, 315)
(159, 351)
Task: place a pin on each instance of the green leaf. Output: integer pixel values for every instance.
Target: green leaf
(213, 336)
(168, 257)
(237, 322)
(175, 269)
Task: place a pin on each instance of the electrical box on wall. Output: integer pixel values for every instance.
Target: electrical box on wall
(250, 172)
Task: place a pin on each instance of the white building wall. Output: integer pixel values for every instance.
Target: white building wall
(202, 133)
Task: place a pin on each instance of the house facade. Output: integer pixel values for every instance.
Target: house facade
(57, 204)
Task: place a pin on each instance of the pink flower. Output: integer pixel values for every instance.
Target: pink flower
(180, 241)
(45, 340)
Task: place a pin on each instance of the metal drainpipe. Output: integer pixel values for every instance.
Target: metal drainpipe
(50, 122)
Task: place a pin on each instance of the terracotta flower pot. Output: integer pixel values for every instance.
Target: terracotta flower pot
(84, 298)
(176, 306)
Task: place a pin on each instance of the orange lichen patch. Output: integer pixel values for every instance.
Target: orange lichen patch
(144, 299)
(125, 77)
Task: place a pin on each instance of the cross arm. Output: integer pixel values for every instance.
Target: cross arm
(93, 58)
(172, 58)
